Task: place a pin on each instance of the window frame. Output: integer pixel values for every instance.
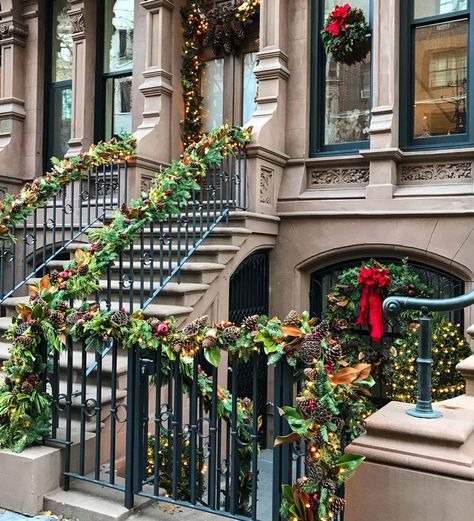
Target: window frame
(317, 147)
(50, 89)
(100, 109)
(408, 25)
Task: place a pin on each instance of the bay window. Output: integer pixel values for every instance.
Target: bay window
(435, 73)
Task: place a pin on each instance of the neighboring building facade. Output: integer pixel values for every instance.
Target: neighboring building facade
(370, 160)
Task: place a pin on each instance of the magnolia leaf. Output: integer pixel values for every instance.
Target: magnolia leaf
(249, 129)
(33, 290)
(4, 229)
(347, 465)
(364, 370)
(289, 438)
(44, 283)
(260, 422)
(291, 331)
(25, 313)
(344, 376)
(79, 255)
(343, 303)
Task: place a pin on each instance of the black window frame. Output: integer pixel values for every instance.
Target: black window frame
(408, 25)
(102, 77)
(317, 147)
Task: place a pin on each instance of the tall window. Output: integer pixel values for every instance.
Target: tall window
(435, 76)
(229, 86)
(341, 94)
(59, 82)
(114, 108)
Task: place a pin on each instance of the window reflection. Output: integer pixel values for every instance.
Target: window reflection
(441, 79)
(62, 42)
(425, 8)
(212, 91)
(118, 35)
(250, 85)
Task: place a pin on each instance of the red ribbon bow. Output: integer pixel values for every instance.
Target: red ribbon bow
(371, 280)
(338, 17)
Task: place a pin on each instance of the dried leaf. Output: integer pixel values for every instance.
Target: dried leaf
(343, 303)
(345, 376)
(25, 313)
(364, 370)
(3, 229)
(44, 283)
(361, 355)
(291, 331)
(289, 438)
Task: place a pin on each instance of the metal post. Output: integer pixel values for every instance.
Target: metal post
(131, 391)
(423, 407)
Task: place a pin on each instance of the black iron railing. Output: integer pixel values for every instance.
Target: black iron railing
(48, 233)
(395, 305)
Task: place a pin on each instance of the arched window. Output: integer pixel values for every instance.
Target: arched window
(59, 58)
(115, 23)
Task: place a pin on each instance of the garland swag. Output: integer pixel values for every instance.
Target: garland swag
(222, 29)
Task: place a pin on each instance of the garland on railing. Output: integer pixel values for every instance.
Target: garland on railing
(222, 28)
(14, 209)
(22, 413)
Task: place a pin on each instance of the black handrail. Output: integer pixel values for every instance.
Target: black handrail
(394, 306)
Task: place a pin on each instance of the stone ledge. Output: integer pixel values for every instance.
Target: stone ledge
(442, 446)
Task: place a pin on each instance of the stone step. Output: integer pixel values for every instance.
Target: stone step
(193, 272)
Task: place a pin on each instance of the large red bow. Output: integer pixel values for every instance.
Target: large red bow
(371, 280)
(338, 17)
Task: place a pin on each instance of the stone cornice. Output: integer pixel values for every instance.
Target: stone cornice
(13, 31)
(155, 5)
(260, 152)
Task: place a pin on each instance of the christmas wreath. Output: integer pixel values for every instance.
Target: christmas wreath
(346, 35)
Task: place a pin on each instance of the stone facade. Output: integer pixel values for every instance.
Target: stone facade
(381, 199)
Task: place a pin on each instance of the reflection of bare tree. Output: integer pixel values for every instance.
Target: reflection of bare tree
(63, 45)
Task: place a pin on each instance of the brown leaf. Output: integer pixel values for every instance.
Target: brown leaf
(3, 229)
(289, 438)
(343, 303)
(25, 313)
(249, 129)
(33, 290)
(364, 370)
(345, 376)
(291, 331)
(44, 283)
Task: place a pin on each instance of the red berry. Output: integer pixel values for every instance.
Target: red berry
(169, 192)
(6, 218)
(127, 221)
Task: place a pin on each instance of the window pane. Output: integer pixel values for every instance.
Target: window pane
(425, 8)
(118, 35)
(119, 106)
(249, 90)
(212, 91)
(441, 79)
(347, 93)
(62, 42)
(60, 120)
(347, 102)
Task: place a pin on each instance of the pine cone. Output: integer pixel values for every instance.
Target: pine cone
(237, 27)
(230, 334)
(74, 317)
(83, 270)
(339, 423)
(317, 439)
(27, 388)
(153, 322)
(209, 342)
(321, 414)
(54, 276)
(17, 207)
(250, 323)
(25, 340)
(292, 319)
(22, 328)
(330, 485)
(227, 44)
(333, 354)
(119, 318)
(336, 504)
(123, 236)
(310, 350)
(57, 319)
(178, 345)
(202, 321)
(307, 405)
(323, 328)
(301, 482)
(191, 329)
(311, 374)
(62, 306)
(314, 472)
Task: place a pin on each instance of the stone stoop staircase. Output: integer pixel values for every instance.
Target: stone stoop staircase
(202, 277)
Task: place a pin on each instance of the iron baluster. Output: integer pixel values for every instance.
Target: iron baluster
(67, 455)
(156, 446)
(130, 434)
(212, 442)
(83, 417)
(235, 464)
(142, 268)
(113, 412)
(177, 424)
(194, 428)
(98, 413)
(254, 435)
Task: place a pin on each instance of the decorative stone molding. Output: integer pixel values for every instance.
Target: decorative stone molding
(77, 22)
(266, 185)
(436, 173)
(358, 176)
(13, 30)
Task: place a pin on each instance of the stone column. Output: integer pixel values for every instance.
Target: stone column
(267, 156)
(83, 17)
(13, 34)
(383, 151)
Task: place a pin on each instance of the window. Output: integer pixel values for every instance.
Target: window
(228, 84)
(114, 92)
(340, 115)
(59, 82)
(435, 75)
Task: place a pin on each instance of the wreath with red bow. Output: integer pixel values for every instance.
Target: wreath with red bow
(346, 35)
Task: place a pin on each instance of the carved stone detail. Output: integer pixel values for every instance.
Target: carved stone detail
(77, 21)
(266, 185)
(13, 29)
(146, 184)
(340, 176)
(437, 173)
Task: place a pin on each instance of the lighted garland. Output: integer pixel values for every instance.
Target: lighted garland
(14, 209)
(222, 28)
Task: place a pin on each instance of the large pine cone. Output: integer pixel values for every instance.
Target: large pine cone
(209, 342)
(336, 504)
(311, 374)
(57, 319)
(323, 328)
(292, 319)
(202, 321)
(153, 322)
(333, 354)
(230, 334)
(22, 328)
(250, 323)
(321, 414)
(191, 329)
(310, 350)
(314, 472)
(307, 406)
(178, 345)
(74, 317)
(339, 423)
(119, 318)
(330, 485)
